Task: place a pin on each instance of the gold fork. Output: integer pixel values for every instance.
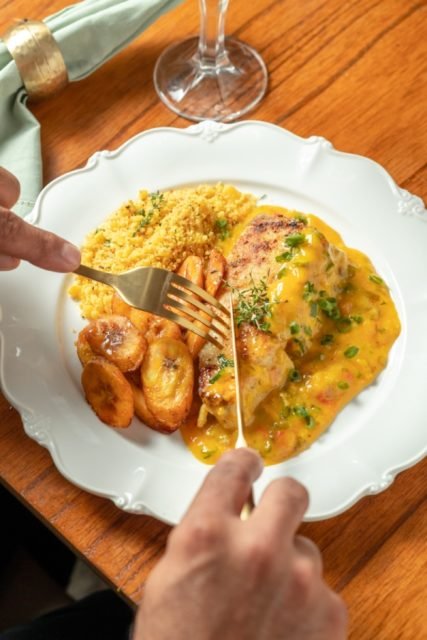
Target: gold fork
(168, 295)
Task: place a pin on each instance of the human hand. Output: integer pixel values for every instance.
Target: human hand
(20, 240)
(255, 580)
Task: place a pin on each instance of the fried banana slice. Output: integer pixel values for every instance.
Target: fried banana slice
(192, 269)
(152, 327)
(143, 412)
(108, 392)
(84, 351)
(215, 272)
(162, 328)
(116, 339)
(167, 376)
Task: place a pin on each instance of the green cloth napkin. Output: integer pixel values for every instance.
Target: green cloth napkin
(88, 33)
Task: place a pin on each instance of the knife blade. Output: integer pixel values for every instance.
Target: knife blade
(241, 440)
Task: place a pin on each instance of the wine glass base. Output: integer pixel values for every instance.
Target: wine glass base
(223, 89)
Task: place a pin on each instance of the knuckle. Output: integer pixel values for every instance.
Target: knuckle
(308, 548)
(198, 536)
(295, 493)
(259, 555)
(305, 580)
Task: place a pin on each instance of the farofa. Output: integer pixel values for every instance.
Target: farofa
(158, 230)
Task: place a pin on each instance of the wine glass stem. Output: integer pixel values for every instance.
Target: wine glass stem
(212, 22)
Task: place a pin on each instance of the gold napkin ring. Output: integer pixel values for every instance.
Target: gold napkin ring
(38, 58)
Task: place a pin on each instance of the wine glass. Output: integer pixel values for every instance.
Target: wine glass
(210, 77)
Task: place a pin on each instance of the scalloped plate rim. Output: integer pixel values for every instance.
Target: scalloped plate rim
(387, 476)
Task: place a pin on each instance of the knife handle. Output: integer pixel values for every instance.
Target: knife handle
(248, 507)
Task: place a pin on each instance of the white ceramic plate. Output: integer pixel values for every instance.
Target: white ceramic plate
(380, 433)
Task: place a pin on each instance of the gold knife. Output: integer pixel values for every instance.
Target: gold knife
(241, 440)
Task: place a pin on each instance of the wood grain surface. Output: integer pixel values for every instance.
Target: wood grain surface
(353, 71)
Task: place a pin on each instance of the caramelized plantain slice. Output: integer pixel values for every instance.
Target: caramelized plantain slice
(162, 328)
(116, 339)
(192, 269)
(108, 392)
(151, 326)
(167, 375)
(119, 307)
(84, 351)
(143, 412)
(215, 272)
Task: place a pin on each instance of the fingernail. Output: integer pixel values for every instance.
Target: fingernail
(70, 256)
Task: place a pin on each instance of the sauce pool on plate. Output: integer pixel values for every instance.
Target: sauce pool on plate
(338, 345)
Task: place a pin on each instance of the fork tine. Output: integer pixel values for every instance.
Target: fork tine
(203, 306)
(177, 282)
(213, 319)
(208, 322)
(191, 326)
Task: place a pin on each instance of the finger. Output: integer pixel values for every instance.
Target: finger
(9, 189)
(281, 509)
(7, 263)
(306, 547)
(21, 240)
(228, 485)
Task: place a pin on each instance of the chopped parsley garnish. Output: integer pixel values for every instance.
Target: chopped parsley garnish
(352, 351)
(343, 385)
(284, 257)
(294, 327)
(302, 412)
(253, 306)
(344, 324)
(145, 219)
(294, 375)
(222, 228)
(307, 330)
(357, 319)
(313, 309)
(308, 290)
(223, 363)
(294, 239)
(328, 338)
(146, 214)
(207, 453)
(374, 278)
(301, 217)
(157, 199)
(329, 306)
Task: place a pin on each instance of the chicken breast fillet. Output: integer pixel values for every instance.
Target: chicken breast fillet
(255, 265)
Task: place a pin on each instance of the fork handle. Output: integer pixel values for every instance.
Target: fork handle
(95, 274)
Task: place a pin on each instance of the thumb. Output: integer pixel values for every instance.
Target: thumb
(20, 240)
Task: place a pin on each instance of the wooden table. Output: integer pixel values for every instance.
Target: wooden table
(353, 71)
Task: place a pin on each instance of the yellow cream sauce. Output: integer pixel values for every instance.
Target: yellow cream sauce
(340, 359)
